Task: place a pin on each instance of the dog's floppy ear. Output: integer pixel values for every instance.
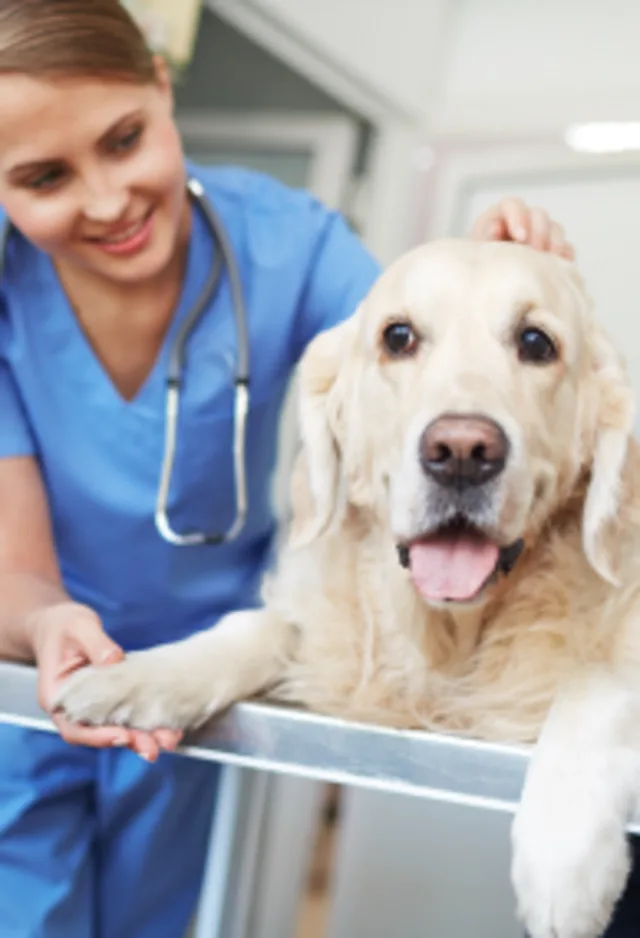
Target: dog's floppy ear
(316, 479)
(613, 407)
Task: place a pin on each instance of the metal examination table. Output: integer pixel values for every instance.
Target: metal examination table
(257, 743)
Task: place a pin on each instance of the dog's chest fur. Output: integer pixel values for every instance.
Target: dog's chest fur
(369, 649)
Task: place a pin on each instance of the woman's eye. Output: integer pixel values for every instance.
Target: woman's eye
(127, 142)
(400, 339)
(536, 347)
(45, 180)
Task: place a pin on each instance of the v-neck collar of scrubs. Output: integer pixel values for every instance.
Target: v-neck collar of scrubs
(80, 360)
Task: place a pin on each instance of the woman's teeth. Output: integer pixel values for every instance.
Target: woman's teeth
(128, 233)
(125, 235)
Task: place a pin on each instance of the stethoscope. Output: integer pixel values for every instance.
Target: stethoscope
(224, 257)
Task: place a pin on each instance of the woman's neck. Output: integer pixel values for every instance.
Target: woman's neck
(126, 323)
(95, 298)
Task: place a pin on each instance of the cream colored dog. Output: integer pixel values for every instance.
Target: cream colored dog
(464, 555)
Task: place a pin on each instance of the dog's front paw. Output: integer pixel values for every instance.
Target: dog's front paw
(148, 690)
(570, 862)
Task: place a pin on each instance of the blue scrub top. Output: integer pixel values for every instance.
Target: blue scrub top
(100, 455)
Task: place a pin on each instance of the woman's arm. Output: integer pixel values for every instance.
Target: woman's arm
(29, 576)
(38, 620)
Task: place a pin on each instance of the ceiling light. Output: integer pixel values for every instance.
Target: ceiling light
(604, 137)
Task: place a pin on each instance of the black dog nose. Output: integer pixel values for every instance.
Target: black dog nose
(460, 451)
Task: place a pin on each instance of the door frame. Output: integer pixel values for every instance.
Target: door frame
(462, 172)
(332, 141)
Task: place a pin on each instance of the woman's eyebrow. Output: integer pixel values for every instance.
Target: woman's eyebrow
(29, 166)
(124, 119)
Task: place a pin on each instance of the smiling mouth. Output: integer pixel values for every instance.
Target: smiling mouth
(455, 563)
(125, 234)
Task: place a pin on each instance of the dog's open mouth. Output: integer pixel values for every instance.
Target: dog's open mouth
(456, 562)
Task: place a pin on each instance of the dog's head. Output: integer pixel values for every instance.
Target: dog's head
(461, 406)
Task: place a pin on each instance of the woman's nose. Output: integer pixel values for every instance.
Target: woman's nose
(105, 203)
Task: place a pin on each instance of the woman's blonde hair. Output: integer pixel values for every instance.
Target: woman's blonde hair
(63, 38)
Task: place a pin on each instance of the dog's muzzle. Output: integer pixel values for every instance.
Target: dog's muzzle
(460, 451)
(458, 554)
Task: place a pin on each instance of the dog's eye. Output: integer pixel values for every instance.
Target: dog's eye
(535, 346)
(400, 339)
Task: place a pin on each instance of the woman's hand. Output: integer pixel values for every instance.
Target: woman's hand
(66, 637)
(513, 220)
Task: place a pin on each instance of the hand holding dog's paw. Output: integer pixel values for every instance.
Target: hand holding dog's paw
(570, 860)
(146, 691)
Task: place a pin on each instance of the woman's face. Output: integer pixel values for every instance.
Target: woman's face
(92, 172)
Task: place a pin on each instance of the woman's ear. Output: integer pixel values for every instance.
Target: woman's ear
(163, 77)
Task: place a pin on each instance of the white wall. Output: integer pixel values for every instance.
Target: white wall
(393, 45)
(460, 67)
(534, 65)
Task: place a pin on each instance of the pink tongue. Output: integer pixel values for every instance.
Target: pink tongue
(452, 566)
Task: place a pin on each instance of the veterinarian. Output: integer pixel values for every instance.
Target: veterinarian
(110, 247)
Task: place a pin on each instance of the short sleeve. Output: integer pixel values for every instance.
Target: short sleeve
(16, 438)
(341, 273)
